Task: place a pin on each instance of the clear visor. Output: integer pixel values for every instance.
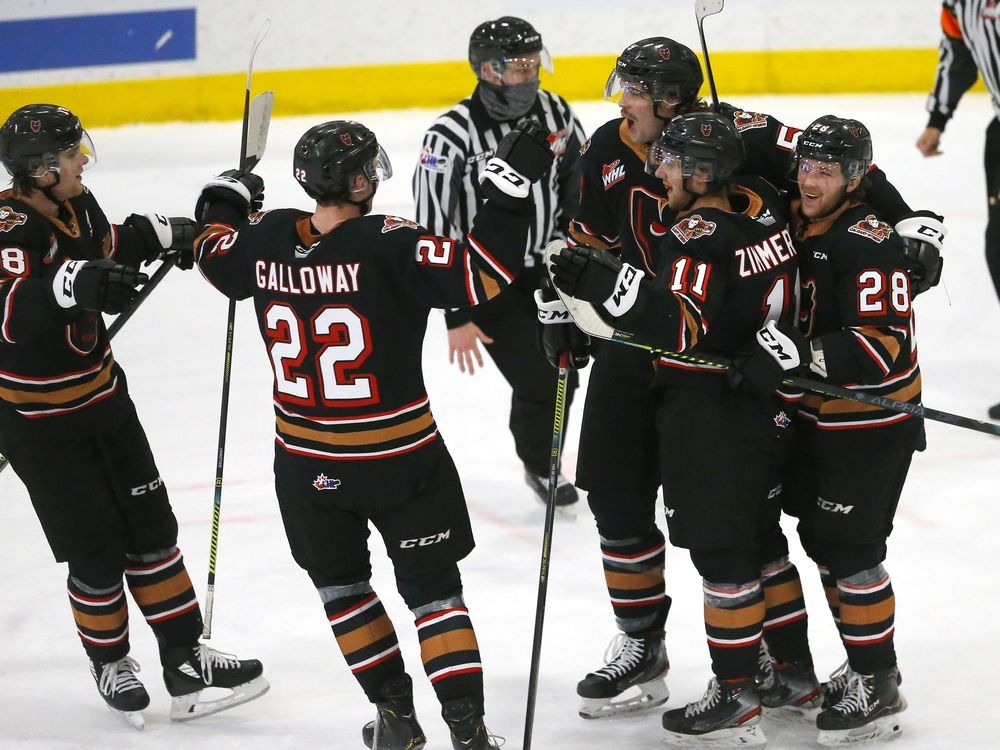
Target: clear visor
(843, 169)
(53, 161)
(619, 86)
(658, 155)
(377, 169)
(526, 67)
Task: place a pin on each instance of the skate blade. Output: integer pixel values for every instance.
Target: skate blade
(745, 737)
(134, 719)
(189, 707)
(649, 695)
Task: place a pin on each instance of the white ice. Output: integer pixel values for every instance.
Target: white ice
(941, 555)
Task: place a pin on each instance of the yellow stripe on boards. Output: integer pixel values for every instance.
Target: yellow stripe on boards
(408, 85)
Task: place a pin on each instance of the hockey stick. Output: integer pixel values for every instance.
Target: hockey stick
(703, 8)
(591, 323)
(256, 120)
(125, 314)
(558, 421)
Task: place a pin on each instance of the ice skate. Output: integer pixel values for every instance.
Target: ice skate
(632, 679)
(833, 688)
(121, 689)
(395, 726)
(464, 717)
(204, 668)
(727, 716)
(868, 712)
(566, 494)
(787, 689)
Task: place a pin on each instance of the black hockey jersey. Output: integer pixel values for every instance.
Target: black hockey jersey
(343, 316)
(723, 275)
(856, 301)
(57, 371)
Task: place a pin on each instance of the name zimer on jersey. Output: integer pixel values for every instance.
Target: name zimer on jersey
(330, 278)
(775, 250)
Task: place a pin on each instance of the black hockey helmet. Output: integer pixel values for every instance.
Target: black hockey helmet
(667, 70)
(505, 41)
(706, 143)
(328, 156)
(837, 139)
(33, 136)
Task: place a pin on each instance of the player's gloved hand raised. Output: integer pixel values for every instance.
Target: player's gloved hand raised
(923, 235)
(230, 197)
(521, 158)
(171, 237)
(556, 332)
(774, 354)
(100, 285)
(596, 276)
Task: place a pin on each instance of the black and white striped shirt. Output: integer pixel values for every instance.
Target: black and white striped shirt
(456, 148)
(970, 46)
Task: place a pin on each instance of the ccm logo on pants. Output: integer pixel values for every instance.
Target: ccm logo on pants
(425, 541)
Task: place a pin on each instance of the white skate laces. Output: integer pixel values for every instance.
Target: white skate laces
(118, 676)
(709, 700)
(623, 654)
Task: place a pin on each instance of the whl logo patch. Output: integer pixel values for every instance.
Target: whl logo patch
(323, 482)
(612, 173)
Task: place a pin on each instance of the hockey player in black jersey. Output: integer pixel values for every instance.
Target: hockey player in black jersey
(506, 56)
(857, 312)
(342, 298)
(70, 429)
(726, 281)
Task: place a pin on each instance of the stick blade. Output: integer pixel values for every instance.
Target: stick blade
(704, 8)
(258, 123)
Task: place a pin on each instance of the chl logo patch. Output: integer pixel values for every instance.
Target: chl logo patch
(872, 228)
(323, 482)
(431, 162)
(612, 173)
(9, 218)
(692, 228)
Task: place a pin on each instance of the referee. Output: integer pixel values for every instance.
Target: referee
(970, 46)
(506, 55)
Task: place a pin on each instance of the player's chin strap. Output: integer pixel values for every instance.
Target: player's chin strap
(588, 320)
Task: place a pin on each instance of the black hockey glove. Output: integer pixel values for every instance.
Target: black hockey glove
(100, 285)
(775, 353)
(521, 158)
(923, 234)
(230, 197)
(556, 332)
(166, 236)
(596, 276)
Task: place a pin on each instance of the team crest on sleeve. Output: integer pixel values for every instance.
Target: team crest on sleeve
(691, 228)
(256, 216)
(872, 228)
(394, 222)
(431, 162)
(748, 120)
(9, 218)
(584, 147)
(612, 173)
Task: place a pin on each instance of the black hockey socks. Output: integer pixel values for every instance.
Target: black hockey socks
(101, 616)
(785, 619)
(449, 649)
(633, 571)
(160, 585)
(734, 620)
(365, 634)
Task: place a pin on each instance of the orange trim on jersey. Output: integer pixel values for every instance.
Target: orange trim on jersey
(367, 437)
(490, 286)
(585, 238)
(848, 406)
(62, 396)
(949, 24)
(636, 148)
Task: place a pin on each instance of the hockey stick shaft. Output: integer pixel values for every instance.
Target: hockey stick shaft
(254, 137)
(127, 313)
(558, 422)
(703, 8)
